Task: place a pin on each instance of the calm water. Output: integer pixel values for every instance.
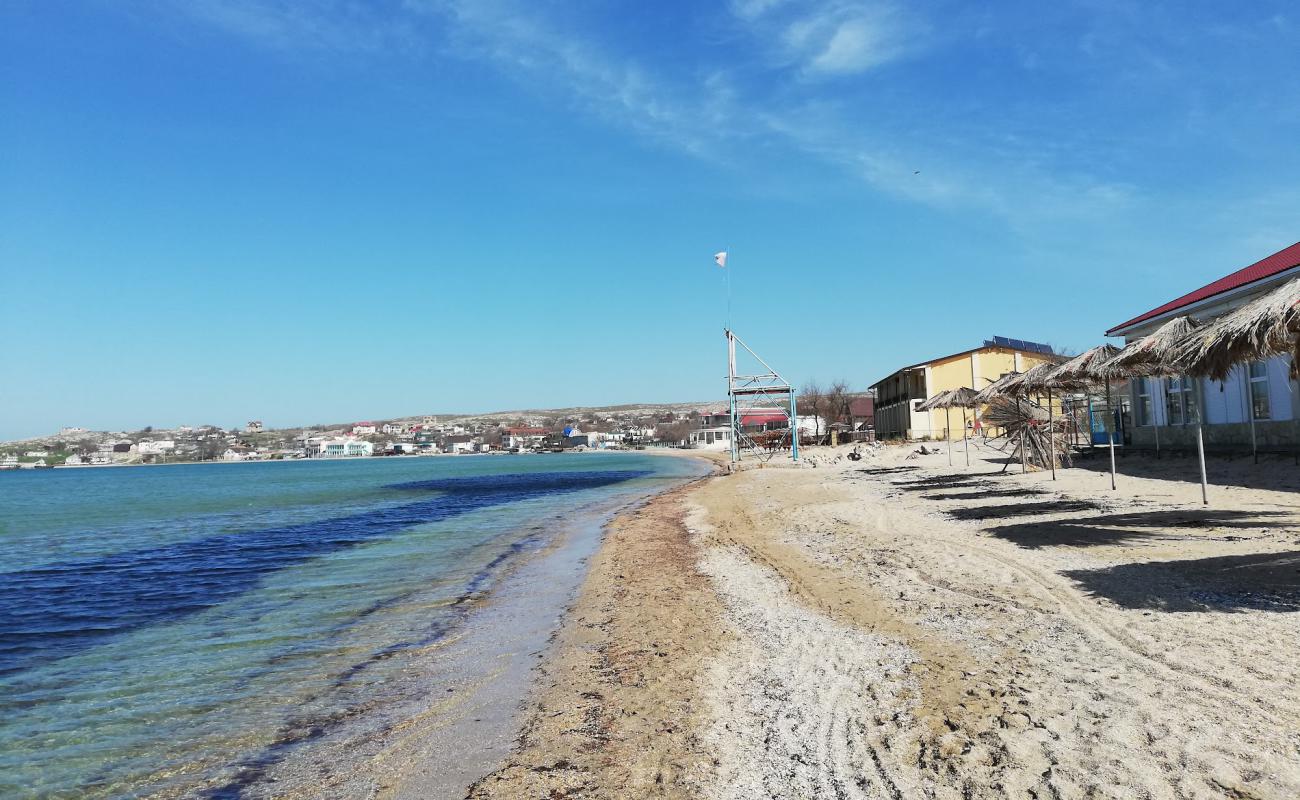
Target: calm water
(162, 627)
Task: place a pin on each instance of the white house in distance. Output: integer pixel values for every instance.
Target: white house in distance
(253, 426)
(713, 438)
(394, 428)
(155, 448)
(1259, 395)
(340, 448)
(364, 429)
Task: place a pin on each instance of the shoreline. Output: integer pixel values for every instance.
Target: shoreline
(459, 717)
(896, 627)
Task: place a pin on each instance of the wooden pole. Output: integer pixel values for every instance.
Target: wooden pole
(1024, 465)
(947, 426)
(1051, 435)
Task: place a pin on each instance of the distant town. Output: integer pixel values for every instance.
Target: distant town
(690, 425)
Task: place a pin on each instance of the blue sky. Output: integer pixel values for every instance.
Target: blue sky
(326, 211)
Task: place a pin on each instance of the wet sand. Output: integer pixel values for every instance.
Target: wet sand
(900, 628)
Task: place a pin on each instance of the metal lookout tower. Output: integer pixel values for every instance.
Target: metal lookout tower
(761, 396)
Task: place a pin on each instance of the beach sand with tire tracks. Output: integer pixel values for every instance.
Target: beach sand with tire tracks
(896, 627)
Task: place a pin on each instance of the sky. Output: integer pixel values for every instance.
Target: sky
(307, 211)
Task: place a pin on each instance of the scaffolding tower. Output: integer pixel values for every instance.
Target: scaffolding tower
(749, 394)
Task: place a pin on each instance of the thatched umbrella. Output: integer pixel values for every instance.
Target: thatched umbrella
(1266, 326)
(1087, 368)
(1155, 355)
(994, 389)
(1043, 378)
(948, 400)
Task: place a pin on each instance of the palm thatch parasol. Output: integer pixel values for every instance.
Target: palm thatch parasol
(1088, 368)
(994, 389)
(1266, 326)
(935, 402)
(1030, 426)
(952, 398)
(1042, 377)
(1154, 355)
(1085, 368)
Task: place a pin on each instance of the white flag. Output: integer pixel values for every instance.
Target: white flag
(721, 258)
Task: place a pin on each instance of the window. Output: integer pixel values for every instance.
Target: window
(1180, 401)
(1190, 412)
(1258, 375)
(1144, 415)
(1174, 401)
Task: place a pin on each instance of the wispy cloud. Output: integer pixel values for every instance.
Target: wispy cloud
(838, 38)
(717, 108)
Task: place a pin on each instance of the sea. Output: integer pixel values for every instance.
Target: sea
(210, 630)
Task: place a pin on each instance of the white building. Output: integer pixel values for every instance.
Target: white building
(155, 448)
(364, 429)
(394, 428)
(340, 448)
(71, 431)
(1259, 395)
(253, 426)
(717, 438)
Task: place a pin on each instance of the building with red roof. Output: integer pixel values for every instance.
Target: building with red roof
(1256, 405)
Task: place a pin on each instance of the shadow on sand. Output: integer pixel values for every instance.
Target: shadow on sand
(1260, 581)
(1022, 509)
(1121, 528)
(1272, 471)
(1025, 492)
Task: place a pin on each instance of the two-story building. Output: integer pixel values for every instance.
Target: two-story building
(897, 396)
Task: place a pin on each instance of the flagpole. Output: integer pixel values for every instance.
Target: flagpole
(725, 269)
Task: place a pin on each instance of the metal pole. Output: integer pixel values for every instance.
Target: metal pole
(1110, 430)
(947, 425)
(794, 428)
(1250, 409)
(731, 397)
(1051, 434)
(1200, 451)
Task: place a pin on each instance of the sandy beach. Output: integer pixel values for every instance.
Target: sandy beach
(896, 627)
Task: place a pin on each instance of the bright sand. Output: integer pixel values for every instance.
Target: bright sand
(899, 628)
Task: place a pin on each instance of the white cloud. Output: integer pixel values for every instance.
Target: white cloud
(711, 115)
(840, 38)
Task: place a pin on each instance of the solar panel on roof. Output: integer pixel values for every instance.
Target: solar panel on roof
(1019, 344)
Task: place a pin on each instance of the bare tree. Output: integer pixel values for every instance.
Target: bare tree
(812, 401)
(838, 398)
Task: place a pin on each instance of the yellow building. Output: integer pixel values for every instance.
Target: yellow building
(898, 395)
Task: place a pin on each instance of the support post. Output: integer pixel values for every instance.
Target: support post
(794, 428)
(1110, 430)
(1051, 435)
(965, 438)
(734, 435)
(947, 425)
(1200, 451)
(1250, 409)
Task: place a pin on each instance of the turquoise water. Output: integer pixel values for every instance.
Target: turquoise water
(164, 628)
